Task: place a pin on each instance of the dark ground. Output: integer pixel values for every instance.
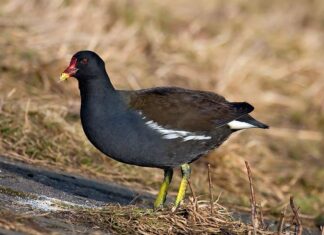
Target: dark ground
(31, 191)
(33, 195)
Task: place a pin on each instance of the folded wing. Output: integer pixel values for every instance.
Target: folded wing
(187, 110)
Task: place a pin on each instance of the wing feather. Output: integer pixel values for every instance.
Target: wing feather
(184, 109)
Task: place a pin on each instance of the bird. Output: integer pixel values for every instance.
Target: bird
(160, 127)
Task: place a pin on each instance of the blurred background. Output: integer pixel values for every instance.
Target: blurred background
(268, 53)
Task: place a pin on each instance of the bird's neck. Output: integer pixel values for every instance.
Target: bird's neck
(96, 86)
(98, 95)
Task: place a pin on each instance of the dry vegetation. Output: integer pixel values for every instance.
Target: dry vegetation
(269, 53)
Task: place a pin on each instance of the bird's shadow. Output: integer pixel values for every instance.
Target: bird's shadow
(76, 186)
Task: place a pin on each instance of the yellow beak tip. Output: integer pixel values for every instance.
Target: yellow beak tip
(64, 76)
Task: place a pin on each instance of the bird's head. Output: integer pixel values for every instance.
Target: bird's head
(84, 65)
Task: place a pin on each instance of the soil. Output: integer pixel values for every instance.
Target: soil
(30, 197)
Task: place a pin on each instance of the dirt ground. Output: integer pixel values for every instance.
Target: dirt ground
(36, 196)
(37, 201)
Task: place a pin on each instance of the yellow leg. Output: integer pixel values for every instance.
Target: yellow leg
(160, 199)
(185, 169)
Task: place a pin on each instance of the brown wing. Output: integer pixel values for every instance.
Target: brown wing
(183, 109)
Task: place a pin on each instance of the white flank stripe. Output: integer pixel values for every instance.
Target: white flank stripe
(174, 134)
(237, 125)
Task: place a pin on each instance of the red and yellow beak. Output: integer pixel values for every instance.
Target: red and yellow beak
(70, 71)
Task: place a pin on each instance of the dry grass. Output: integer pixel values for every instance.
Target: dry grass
(19, 223)
(132, 220)
(269, 53)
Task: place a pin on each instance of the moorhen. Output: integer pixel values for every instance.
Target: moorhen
(161, 127)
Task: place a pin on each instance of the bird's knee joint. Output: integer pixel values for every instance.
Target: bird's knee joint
(186, 170)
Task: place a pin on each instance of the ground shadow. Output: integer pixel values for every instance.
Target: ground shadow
(30, 179)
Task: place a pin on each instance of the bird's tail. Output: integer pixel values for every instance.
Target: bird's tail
(248, 119)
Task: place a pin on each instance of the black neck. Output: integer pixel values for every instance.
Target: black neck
(99, 92)
(96, 86)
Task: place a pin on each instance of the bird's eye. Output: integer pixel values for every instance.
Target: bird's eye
(84, 61)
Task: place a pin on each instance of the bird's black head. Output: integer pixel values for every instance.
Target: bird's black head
(85, 65)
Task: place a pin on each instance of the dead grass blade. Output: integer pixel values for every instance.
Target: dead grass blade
(211, 198)
(254, 218)
(296, 218)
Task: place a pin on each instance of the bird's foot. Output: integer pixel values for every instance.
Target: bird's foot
(157, 206)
